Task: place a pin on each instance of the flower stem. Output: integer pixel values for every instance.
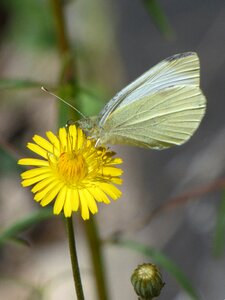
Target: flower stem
(68, 87)
(69, 72)
(74, 260)
(97, 258)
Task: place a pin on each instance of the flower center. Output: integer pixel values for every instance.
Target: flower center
(72, 167)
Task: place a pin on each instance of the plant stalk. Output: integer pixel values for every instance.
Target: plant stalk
(97, 258)
(69, 70)
(74, 260)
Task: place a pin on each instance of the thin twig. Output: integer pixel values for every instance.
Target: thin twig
(97, 258)
(10, 149)
(179, 200)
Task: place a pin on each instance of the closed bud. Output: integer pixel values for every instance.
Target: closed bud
(147, 281)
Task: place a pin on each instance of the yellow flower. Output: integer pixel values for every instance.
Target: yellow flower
(73, 172)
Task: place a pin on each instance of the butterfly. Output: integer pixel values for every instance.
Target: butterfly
(160, 109)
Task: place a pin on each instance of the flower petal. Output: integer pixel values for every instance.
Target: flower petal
(91, 201)
(37, 149)
(60, 200)
(99, 195)
(80, 138)
(84, 206)
(43, 143)
(110, 190)
(42, 184)
(35, 172)
(51, 194)
(33, 180)
(116, 161)
(75, 200)
(116, 180)
(68, 204)
(53, 139)
(63, 139)
(41, 194)
(112, 171)
(73, 135)
(55, 142)
(33, 162)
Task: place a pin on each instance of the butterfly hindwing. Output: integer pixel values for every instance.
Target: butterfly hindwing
(160, 120)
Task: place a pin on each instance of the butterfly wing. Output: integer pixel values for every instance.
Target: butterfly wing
(159, 120)
(179, 69)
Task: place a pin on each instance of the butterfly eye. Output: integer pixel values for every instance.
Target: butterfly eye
(70, 122)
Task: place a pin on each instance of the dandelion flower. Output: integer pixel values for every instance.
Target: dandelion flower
(72, 172)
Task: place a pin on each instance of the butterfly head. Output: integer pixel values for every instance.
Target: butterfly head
(90, 126)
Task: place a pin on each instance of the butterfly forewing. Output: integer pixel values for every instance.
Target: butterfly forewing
(179, 69)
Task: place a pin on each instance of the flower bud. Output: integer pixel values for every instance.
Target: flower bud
(147, 281)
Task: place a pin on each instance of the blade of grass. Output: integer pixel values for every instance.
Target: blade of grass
(159, 17)
(18, 227)
(219, 237)
(18, 84)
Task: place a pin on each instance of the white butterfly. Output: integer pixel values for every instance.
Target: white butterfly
(161, 108)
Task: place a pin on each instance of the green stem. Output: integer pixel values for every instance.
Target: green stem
(97, 258)
(74, 260)
(60, 26)
(69, 77)
(69, 74)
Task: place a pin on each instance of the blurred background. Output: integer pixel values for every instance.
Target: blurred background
(114, 41)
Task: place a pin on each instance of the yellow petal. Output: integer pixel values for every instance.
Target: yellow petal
(67, 205)
(116, 180)
(40, 185)
(37, 149)
(110, 190)
(99, 195)
(63, 139)
(51, 194)
(84, 206)
(53, 139)
(80, 138)
(112, 171)
(33, 162)
(73, 135)
(75, 200)
(91, 201)
(31, 181)
(41, 194)
(43, 143)
(116, 161)
(55, 142)
(60, 200)
(35, 172)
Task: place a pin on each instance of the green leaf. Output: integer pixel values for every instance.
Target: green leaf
(160, 259)
(17, 84)
(158, 17)
(219, 237)
(12, 232)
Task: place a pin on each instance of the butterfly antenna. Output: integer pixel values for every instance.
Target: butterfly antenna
(65, 102)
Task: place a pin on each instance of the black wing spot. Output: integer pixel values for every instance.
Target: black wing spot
(180, 55)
